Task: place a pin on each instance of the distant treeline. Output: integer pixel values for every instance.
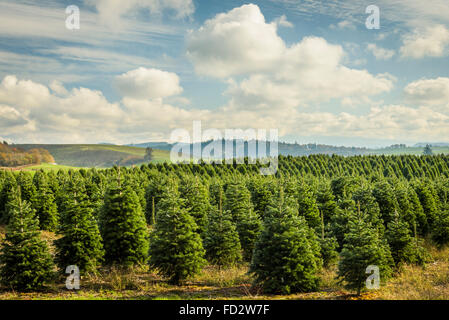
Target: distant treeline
(11, 156)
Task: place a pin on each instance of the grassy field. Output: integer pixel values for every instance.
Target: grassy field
(411, 282)
(100, 156)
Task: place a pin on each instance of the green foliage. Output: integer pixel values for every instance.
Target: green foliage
(25, 260)
(123, 227)
(440, 233)
(197, 200)
(248, 227)
(362, 248)
(221, 241)
(45, 205)
(176, 249)
(81, 243)
(307, 207)
(404, 248)
(284, 258)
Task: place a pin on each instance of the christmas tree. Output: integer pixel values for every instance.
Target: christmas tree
(285, 259)
(81, 243)
(362, 248)
(25, 259)
(123, 227)
(176, 249)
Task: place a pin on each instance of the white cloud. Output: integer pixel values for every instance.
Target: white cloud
(380, 53)
(236, 42)
(429, 92)
(58, 88)
(145, 83)
(240, 42)
(344, 24)
(86, 116)
(431, 41)
(283, 22)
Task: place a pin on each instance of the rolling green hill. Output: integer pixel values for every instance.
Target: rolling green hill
(97, 155)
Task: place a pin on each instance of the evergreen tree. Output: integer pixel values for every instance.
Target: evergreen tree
(45, 205)
(221, 242)
(388, 205)
(328, 246)
(7, 188)
(308, 208)
(248, 227)
(404, 248)
(362, 248)
(28, 190)
(25, 260)
(176, 249)
(123, 227)
(284, 258)
(426, 198)
(238, 200)
(440, 233)
(81, 243)
(197, 201)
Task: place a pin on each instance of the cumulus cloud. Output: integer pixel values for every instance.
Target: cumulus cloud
(431, 41)
(236, 42)
(429, 92)
(143, 83)
(85, 115)
(380, 53)
(240, 42)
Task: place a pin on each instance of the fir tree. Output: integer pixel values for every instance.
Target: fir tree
(308, 208)
(238, 200)
(123, 227)
(197, 201)
(7, 188)
(440, 233)
(81, 243)
(404, 248)
(362, 248)
(45, 205)
(248, 227)
(221, 242)
(386, 200)
(176, 249)
(284, 258)
(25, 260)
(328, 246)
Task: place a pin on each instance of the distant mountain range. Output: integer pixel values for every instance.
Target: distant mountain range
(292, 149)
(433, 144)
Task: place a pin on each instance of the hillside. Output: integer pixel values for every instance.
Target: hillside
(101, 156)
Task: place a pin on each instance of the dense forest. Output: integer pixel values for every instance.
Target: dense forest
(316, 212)
(11, 156)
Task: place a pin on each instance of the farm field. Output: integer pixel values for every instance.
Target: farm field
(211, 231)
(97, 155)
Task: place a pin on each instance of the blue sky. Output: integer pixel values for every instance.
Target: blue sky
(137, 70)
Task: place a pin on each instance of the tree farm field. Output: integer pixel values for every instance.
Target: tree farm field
(223, 231)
